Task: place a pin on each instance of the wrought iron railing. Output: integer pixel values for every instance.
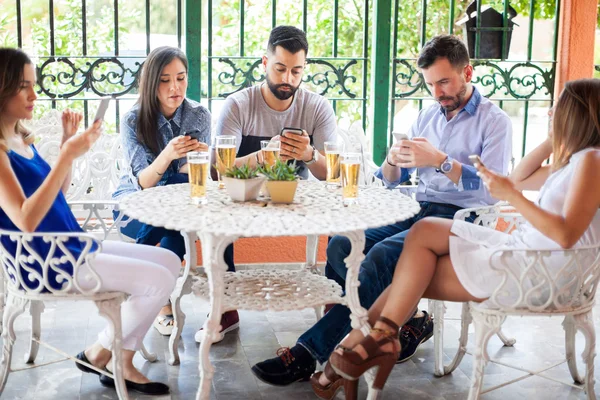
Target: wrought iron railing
(597, 68)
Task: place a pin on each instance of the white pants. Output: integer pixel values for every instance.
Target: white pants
(148, 274)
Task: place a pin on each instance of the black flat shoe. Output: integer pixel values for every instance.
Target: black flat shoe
(152, 388)
(81, 357)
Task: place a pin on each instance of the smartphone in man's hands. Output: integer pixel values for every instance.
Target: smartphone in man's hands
(291, 131)
(400, 136)
(102, 109)
(474, 158)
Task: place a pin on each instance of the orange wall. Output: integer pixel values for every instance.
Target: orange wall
(272, 250)
(577, 32)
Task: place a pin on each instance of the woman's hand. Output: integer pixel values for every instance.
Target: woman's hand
(179, 146)
(500, 187)
(78, 145)
(70, 124)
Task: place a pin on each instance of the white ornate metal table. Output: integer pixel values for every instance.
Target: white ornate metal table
(316, 211)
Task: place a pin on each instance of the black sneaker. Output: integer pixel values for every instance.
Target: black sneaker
(415, 332)
(290, 365)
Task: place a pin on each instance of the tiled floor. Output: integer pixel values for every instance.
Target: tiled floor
(540, 342)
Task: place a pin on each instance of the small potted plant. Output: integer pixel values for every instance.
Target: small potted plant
(281, 181)
(243, 183)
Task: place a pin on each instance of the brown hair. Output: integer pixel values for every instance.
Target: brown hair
(576, 120)
(444, 46)
(11, 74)
(147, 119)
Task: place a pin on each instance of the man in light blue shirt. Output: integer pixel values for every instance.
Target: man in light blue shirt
(444, 135)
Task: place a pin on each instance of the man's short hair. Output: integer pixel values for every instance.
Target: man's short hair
(289, 37)
(444, 46)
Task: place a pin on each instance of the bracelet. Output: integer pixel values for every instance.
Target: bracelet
(388, 161)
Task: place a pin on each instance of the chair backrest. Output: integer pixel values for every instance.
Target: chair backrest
(57, 263)
(501, 217)
(96, 174)
(354, 139)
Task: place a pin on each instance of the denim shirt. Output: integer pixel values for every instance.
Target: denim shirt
(480, 128)
(190, 117)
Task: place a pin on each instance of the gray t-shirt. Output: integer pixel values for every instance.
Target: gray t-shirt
(247, 116)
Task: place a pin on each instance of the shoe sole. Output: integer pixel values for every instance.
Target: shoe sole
(426, 338)
(229, 329)
(260, 378)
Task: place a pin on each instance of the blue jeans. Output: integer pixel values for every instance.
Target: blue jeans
(168, 239)
(382, 250)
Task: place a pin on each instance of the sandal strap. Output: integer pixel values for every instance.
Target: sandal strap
(390, 323)
(384, 332)
(330, 373)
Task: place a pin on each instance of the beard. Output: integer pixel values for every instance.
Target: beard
(281, 94)
(456, 100)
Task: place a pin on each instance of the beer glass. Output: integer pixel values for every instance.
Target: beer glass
(225, 155)
(333, 150)
(350, 170)
(270, 151)
(199, 164)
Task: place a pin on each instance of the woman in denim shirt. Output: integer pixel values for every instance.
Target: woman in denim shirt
(156, 134)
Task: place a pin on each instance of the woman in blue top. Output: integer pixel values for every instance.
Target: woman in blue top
(32, 200)
(156, 135)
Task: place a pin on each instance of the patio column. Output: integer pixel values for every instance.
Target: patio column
(380, 77)
(577, 31)
(193, 34)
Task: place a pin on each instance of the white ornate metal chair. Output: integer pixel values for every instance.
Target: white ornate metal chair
(94, 178)
(535, 282)
(500, 217)
(27, 270)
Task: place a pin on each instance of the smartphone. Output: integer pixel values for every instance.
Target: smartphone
(193, 135)
(295, 131)
(102, 109)
(400, 136)
(474, 158)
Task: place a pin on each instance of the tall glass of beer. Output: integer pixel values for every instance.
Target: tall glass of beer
(350, 170)
(270, 151)
(199, 164)
(225, 146)
(333, 150)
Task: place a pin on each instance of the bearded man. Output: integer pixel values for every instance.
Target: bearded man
(261, 112)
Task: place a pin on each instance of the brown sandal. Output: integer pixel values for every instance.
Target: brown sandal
(351, 365)
(336, 382)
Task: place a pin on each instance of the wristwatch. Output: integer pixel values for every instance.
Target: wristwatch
(446, 166)
(315, 157)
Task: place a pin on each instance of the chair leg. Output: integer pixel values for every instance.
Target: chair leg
(465, 321)
(312, 243)
(486, 325)
(183, 286)
(506, 340)
(584, 323)
(36, 308)
(15, 306)
(437, 310)
(148, 356)
(111, 310)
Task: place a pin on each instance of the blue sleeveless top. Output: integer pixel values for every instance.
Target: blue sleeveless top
(31, 173)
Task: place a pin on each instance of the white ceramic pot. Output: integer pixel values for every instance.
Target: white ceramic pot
(243, 189)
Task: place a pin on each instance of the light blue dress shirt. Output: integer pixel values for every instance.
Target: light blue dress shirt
(480, 128)
(189, 118)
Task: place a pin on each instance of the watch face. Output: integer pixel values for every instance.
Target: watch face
(446, 167)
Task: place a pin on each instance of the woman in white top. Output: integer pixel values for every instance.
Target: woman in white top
(450, 260)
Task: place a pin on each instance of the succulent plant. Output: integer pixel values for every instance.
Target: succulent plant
(281, 171)
(243, 172)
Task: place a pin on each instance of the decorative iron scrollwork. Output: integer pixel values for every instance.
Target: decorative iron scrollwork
(242, 73)
(519, 81)
(63, 77)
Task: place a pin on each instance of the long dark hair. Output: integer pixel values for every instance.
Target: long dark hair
(149, 111)
(11, 74)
